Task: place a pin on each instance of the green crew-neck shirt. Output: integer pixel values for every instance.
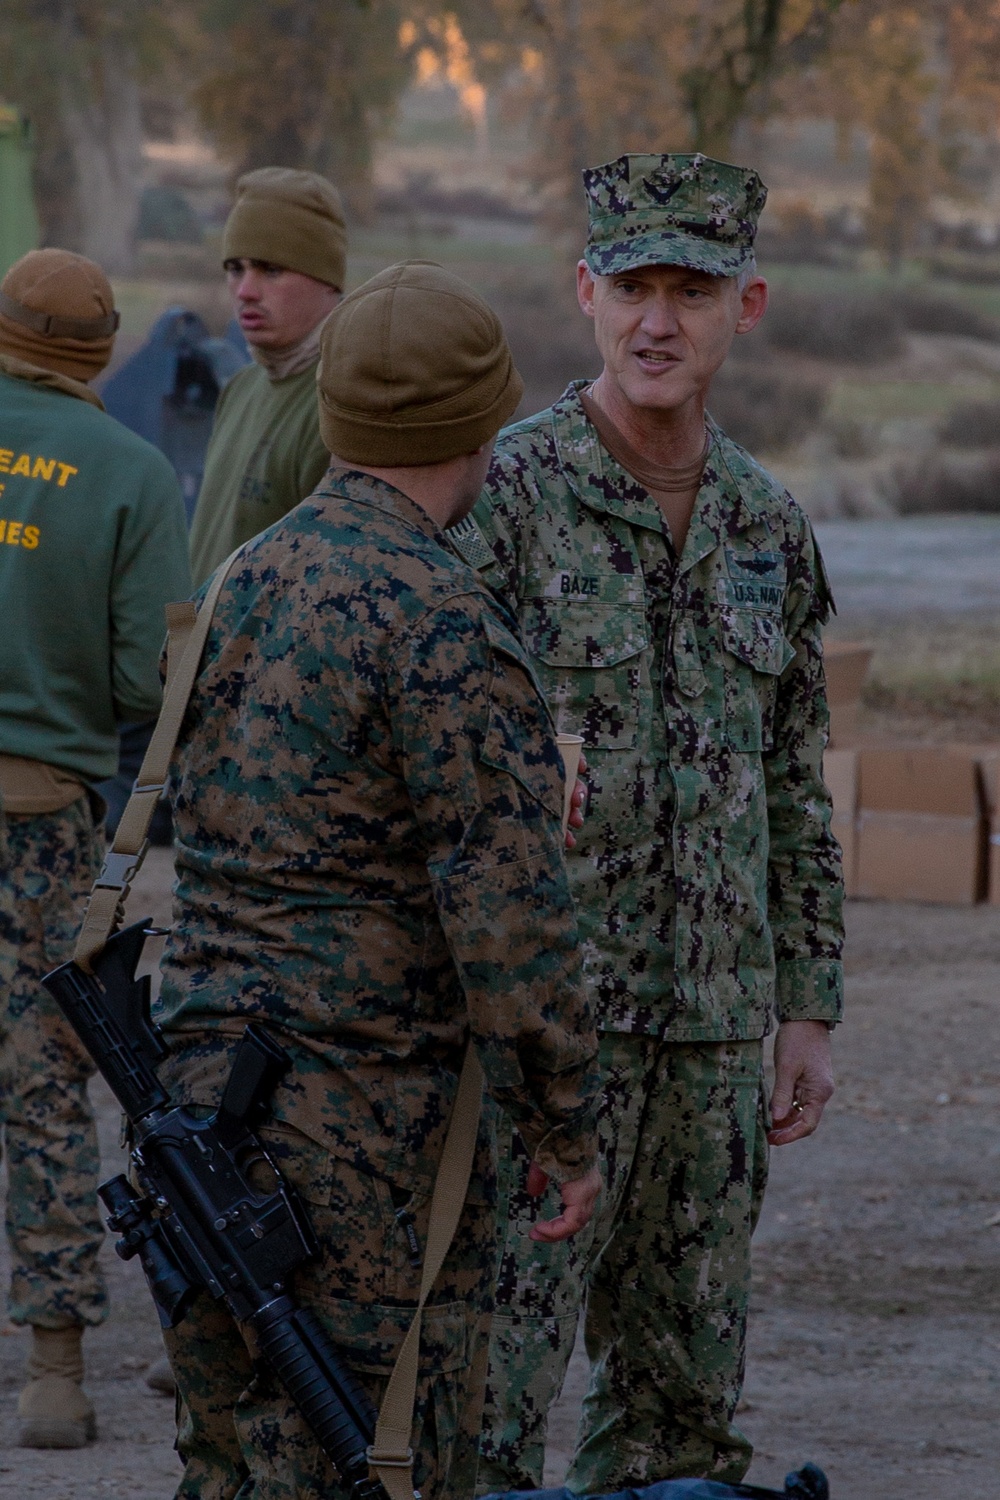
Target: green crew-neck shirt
(265, 455)
(92, 546)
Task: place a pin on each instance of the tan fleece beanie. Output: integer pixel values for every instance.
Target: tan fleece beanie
(414, 369)
(292, 219)
(57, 311)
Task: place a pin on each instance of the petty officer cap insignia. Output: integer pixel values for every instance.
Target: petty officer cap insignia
(671, 211)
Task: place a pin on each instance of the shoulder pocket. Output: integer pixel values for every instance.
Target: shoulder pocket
(519, 735)
(760, 652)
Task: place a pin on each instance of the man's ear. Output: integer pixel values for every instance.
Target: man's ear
(585, 287)
(754, 304)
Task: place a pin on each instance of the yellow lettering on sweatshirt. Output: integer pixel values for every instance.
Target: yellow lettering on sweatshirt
(16, 534)
(37, 466)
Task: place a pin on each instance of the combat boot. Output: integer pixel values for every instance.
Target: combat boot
(160, 1377)
(53, 1410)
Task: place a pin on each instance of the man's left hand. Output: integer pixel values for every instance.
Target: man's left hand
(803, 1080)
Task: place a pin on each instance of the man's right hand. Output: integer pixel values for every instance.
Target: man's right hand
(578, 806)
(579, 1201)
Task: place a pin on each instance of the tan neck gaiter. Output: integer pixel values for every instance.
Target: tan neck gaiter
(281, 364)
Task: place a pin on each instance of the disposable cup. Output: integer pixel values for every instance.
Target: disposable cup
(570, 746)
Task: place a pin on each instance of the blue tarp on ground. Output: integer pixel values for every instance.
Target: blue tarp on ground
(809, 1483)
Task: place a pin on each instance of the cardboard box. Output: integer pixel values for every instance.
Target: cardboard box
(989, 765)
(847, 664)
(840, 772)
(921, 826)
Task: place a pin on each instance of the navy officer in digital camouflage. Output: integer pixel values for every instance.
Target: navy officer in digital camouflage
(671, 596)
(367, 797)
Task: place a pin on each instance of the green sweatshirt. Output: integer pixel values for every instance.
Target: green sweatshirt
(92, 546)
(265, 456)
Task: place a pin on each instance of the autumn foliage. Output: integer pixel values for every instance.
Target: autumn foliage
(314, 83)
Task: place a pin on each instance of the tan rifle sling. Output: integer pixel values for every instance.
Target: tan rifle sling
(390, 1455)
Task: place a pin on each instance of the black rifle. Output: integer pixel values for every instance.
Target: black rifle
(214, 1214)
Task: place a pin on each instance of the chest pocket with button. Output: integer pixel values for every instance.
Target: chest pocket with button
(588, 656)
(756, 653)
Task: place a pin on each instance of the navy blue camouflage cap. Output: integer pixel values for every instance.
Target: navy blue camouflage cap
(652, 210)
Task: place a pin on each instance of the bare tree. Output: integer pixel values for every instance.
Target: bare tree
(301, 83)
(658, 75)
(73, 66)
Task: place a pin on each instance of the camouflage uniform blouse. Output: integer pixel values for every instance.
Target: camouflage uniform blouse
(707, 880)
(367, 798)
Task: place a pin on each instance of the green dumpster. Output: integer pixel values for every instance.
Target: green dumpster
(18, 219)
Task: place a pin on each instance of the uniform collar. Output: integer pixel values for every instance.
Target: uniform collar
(725, 505)
(598, 480)
(352, 484)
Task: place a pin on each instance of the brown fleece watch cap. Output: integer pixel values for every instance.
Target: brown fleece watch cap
(414, 369)
(292, 219)
(57, 311)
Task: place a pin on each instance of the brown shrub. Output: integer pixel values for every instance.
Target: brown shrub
(868, 328)
(950, 483)
(862, 330)
(764, 409)
(551, 341)
(972, 424)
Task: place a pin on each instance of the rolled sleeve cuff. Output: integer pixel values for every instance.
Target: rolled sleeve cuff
(566, 1153)
(810, 990)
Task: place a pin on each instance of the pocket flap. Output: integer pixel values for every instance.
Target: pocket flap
(690, 673)
(756, 639)
(582, 633)
(371, 1335)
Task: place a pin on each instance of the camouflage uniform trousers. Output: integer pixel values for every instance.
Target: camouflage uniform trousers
(238, 1434)
(663, 1269)
(48, 862)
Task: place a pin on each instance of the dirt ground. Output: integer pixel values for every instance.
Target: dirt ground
(875, 1346)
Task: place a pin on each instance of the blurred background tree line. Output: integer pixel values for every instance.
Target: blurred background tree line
(315, 83)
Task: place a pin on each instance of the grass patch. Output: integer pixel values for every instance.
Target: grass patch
(896, 400)
(948, 671)
(480, 262)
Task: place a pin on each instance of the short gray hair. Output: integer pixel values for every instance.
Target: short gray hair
(747, 274)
